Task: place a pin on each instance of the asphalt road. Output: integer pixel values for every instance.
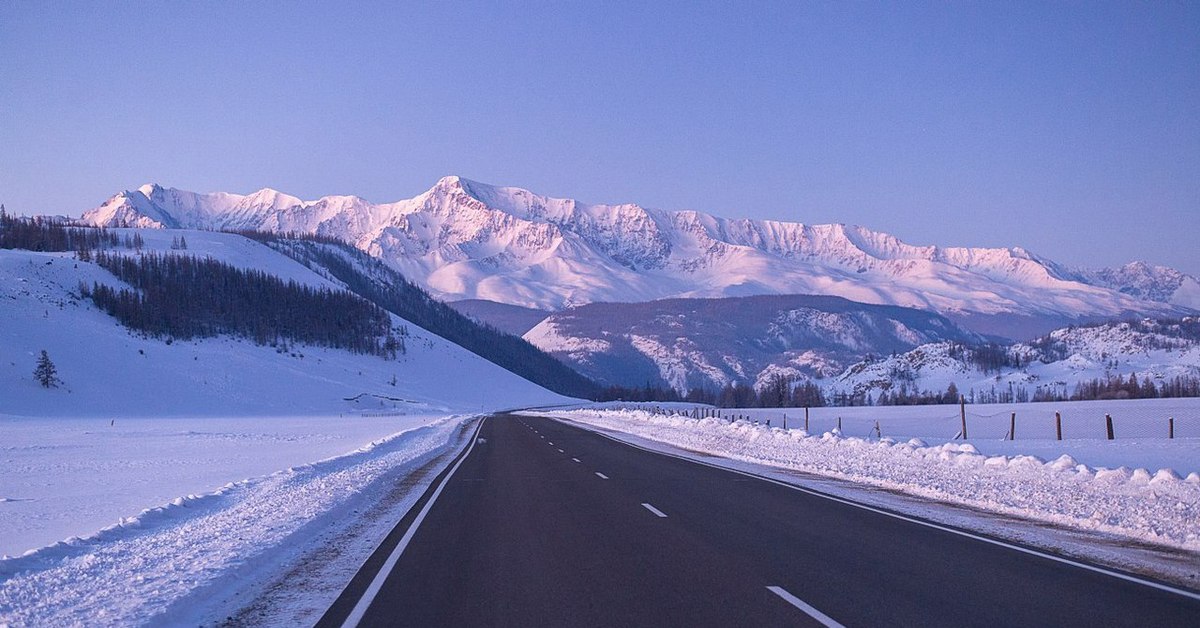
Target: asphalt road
(546, 524)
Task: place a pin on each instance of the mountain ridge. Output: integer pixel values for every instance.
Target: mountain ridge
(463, 239)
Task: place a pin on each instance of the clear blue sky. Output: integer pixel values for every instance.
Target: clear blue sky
(1070, 129)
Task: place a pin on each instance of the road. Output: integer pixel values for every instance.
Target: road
(547, 524)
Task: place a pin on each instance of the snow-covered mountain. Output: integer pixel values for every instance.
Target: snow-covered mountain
(1158, 351)
(708, 343)
(467, 240)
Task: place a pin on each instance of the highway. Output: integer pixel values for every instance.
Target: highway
(541, 523)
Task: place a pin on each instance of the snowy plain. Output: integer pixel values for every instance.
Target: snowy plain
(1141, 428)
(197, 557)
(69, 477)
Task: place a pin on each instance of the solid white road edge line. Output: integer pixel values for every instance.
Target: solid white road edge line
(368, 597)
(896, 515)
(602, 476)
(654, 510)
(825, 620)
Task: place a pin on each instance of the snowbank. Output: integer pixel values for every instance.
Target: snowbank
(156, 562)
(1159, 507)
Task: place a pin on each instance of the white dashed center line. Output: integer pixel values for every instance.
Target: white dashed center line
(825, 620)
(655, 510)
(575, 459)
(601, 476)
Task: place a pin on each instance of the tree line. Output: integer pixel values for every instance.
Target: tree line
(51, 235)
(184, 297)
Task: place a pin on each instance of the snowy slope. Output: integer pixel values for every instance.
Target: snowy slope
(1053, 363)
(109, 371)
(467, 240)
(707, 343)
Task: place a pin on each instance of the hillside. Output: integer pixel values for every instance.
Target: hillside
(467, 240)
(708, 343)
(108, 370)
(1164, 355)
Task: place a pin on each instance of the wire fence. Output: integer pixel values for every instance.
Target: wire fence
(1082, 420)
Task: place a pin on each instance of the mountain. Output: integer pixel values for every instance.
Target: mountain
(707, 343)
(1152, 283)
(467, 240)
(1159, 351)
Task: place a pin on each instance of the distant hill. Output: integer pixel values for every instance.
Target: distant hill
(1139, 358)
(707, 343)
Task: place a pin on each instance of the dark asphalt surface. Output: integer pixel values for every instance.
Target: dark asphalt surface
(523, 535)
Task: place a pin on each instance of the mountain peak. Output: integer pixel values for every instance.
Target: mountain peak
(271, 199)
(149, 189)
(450, 181)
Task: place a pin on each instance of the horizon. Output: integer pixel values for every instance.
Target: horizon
(1072, 131)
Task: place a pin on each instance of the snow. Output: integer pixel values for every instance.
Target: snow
(68, 477)
(174, 483)
(1092, 353)
(1150, 504)
(107, 371)
(188, 560)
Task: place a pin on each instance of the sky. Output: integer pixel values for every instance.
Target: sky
(1070, 129)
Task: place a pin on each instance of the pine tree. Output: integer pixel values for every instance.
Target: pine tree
(46, 373)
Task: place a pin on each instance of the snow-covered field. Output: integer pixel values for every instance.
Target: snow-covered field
(71, 477)
(1150, 504)
(232, 502)
(1140, 428)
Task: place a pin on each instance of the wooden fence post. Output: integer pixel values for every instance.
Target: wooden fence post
(1058, 424)
(962, 412)
(1108, 425)
(839, 424)
(1171, 427)
(805, 418)
(1012, 427)
(785, 420)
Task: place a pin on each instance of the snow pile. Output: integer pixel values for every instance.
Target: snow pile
(67, 477)
(166, 563)
(1158, 507)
